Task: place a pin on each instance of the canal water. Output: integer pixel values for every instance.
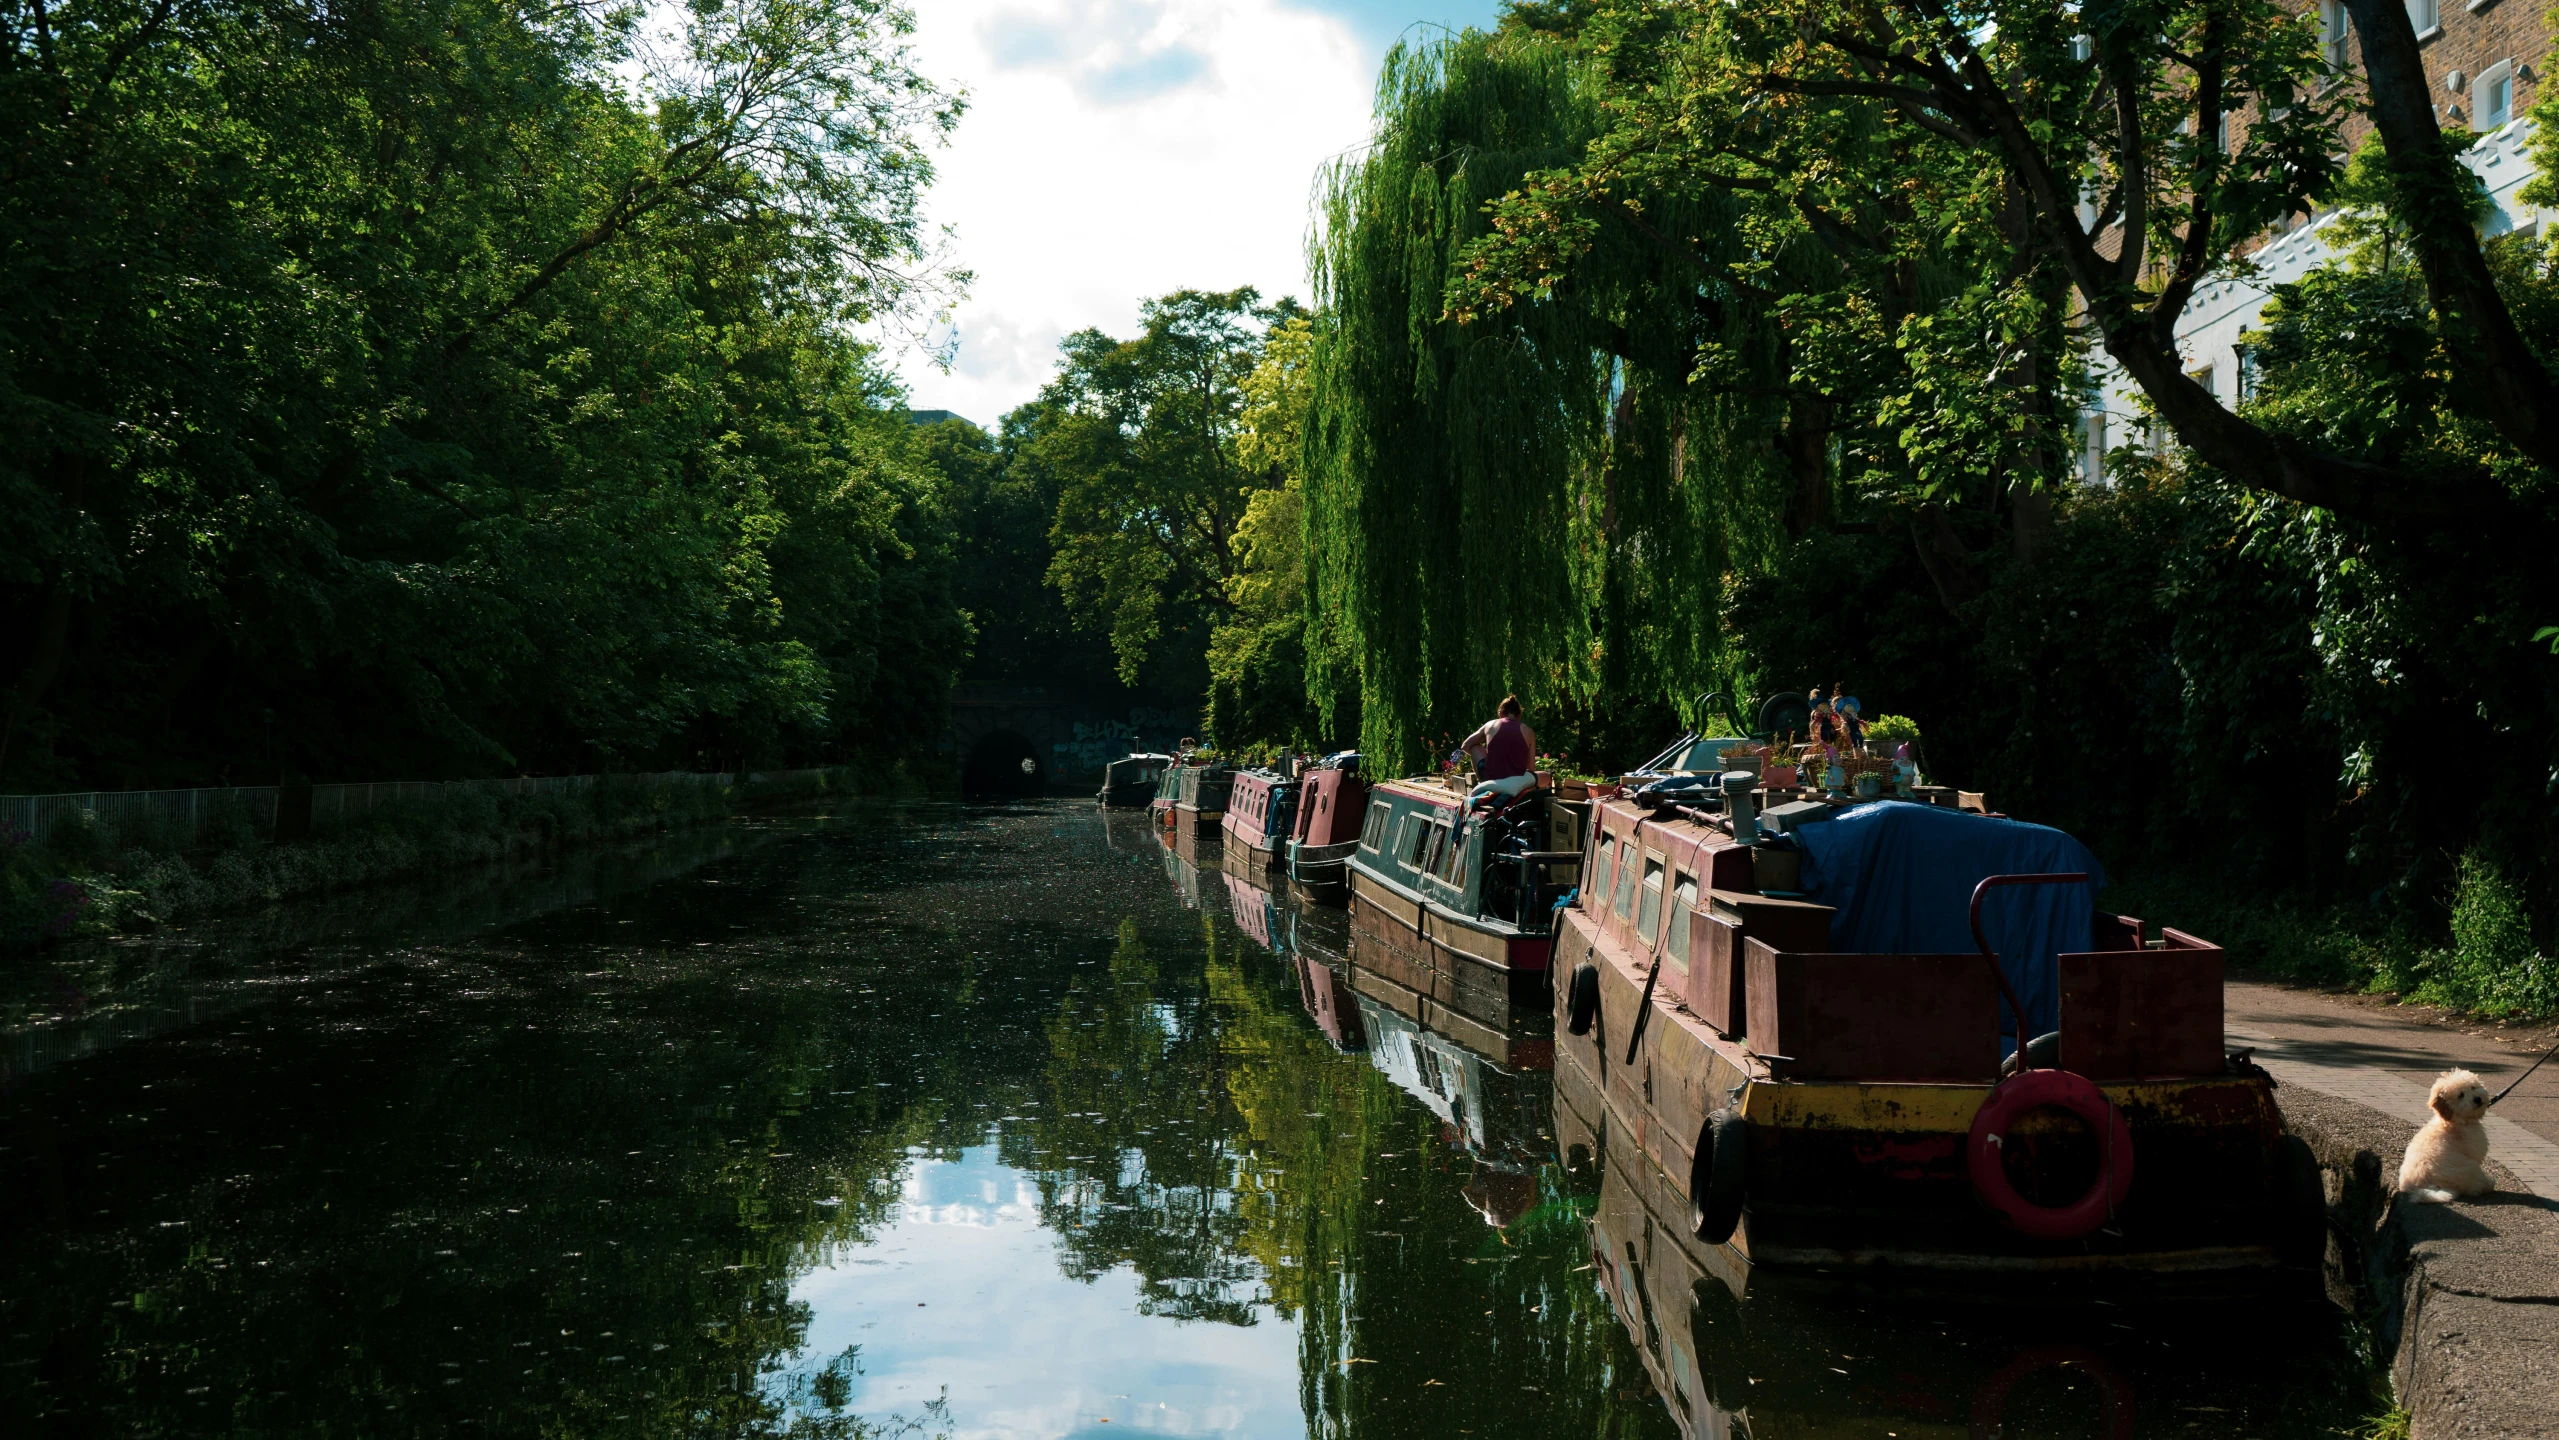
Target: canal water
(924, 1120)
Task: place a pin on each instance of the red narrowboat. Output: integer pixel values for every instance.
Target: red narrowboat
(1331, 801)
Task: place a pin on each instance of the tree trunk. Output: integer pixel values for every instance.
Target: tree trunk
(53, 635)
(1943, 556)
(2498, 370)
(1805, 442)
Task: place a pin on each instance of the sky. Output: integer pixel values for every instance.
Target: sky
(1118, 149)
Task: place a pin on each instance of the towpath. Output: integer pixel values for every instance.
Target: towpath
(2360, 1048)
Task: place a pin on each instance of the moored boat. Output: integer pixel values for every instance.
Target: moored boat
(1130, 781)
(1456, 898)
(1190, 803)
(1331, 801)
(1823, 1072)
(1261, 809)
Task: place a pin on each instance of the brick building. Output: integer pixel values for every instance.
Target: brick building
(2483, 62)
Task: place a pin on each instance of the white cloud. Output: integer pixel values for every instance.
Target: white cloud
(1117, 149)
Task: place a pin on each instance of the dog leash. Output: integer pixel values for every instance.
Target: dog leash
(2526, 1075)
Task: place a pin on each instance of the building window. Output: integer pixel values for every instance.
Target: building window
(2492, 95)
(2423, 17)
(2332, 33)
(2244, 370)
(2206, 379)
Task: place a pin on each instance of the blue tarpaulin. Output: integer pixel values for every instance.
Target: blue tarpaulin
(1902, 878)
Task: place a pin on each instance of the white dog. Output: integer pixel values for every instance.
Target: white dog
(2444, 1160)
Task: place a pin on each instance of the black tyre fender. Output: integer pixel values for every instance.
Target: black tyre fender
(1583, 1006)
(1716, 1173)
(2301, 1205)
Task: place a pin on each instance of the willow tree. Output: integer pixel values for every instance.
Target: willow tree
(1523, 495)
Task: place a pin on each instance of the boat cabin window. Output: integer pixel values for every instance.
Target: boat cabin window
(1648, 910)
(1420, 850)
(1683, 902)
(1625, 906)
(1600, 873)
(1372, 832)
(1452, 860)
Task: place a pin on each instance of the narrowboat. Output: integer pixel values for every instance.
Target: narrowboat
(1261, 809)
(1129, 782)
(1190, 804)
(1331, 801)
(1456, 898)
(1821, 1068)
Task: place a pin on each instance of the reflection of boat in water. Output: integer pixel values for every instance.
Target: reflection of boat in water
(1260, 913)
(1498, 1113)
(1329, 1002)
(1181, 869)
(1129, 832)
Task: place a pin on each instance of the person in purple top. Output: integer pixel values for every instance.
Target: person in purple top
(1503, 750)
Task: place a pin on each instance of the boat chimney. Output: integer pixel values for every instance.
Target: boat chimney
(1738, 785)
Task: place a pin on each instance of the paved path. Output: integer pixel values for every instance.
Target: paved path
(2384, 1056)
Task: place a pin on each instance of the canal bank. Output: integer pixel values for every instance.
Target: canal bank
(133, 861)
(2463, 1298)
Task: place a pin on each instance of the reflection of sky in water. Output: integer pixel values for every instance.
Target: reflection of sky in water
(963, 1292)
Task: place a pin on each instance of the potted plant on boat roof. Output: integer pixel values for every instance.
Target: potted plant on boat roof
(1886, 735)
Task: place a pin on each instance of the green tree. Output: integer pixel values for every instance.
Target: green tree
(1142, 437)
(401, 391)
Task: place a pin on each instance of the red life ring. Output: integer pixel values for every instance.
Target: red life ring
(2058, 1089)
(2115, 1391)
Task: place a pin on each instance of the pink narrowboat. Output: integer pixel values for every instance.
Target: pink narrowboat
(1261, 808)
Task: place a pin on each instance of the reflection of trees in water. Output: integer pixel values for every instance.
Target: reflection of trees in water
(557, 1179)
(574, 1167)
(1202, 1132)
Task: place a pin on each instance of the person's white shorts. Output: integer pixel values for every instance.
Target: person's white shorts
(1504, 788)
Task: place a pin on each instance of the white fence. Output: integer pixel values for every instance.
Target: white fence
(186, 815)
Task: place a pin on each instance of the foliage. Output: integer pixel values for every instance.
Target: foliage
(1257, 662)
(1142, 438)
(2492, 965)
(1509, 492)
(461, 388)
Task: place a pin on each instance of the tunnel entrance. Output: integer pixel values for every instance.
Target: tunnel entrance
(1004, 762)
